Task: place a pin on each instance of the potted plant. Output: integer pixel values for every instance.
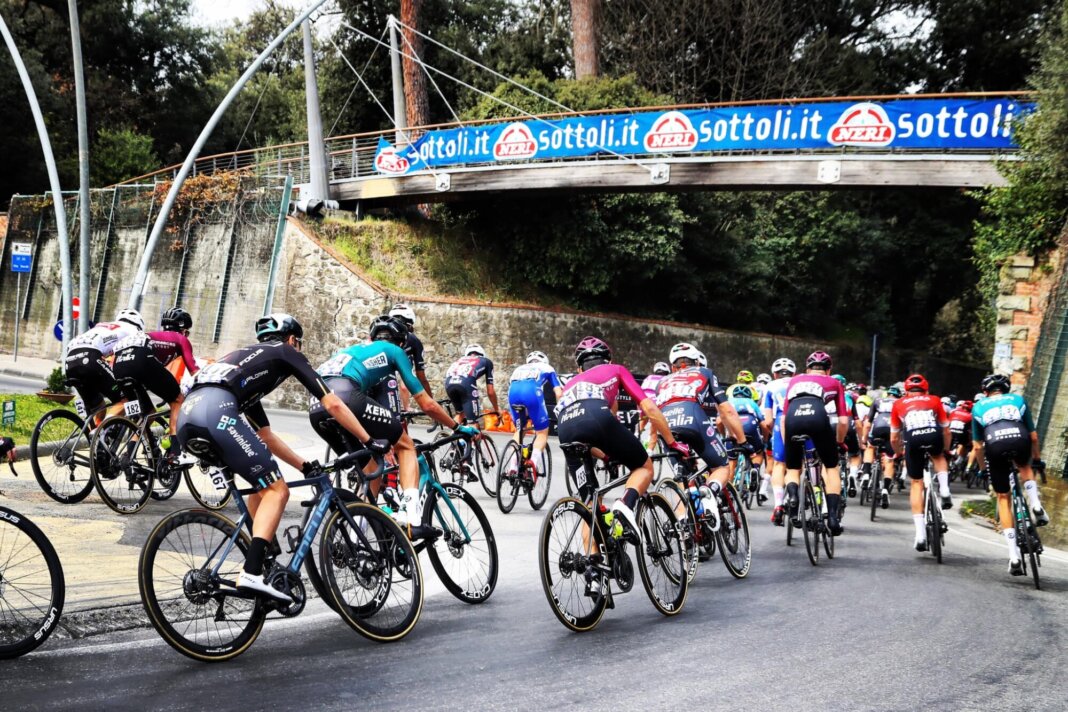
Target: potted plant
(56, 388)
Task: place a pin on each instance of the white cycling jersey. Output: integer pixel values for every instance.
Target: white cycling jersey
(103, 337)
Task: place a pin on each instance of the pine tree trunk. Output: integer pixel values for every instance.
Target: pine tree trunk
(417, 102)
(585, 26)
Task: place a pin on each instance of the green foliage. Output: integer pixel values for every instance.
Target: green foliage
(28, 410)
(56, 382)
(121, 154)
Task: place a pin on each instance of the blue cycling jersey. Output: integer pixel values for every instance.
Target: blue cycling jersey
(746, 406)
(541, 372)
(370, 364)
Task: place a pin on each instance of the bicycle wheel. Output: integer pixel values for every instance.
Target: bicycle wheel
(747, 494)
(810, 520)
(486, 460)
(124, 477)
(934, 526)
(539, 492)
(208, 486)
(371, 572)
(186, 584)
(31, 585)
(679, 501)
(661, 558)
(465, 555)
(1026, 534)
(508, 474)
(168, 475)
(735, 546)
(564, 562)
(876, 492)
(59, 456)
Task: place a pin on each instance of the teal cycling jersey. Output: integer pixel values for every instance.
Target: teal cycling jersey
(369, 364)
(746, 406)
(1004, 407)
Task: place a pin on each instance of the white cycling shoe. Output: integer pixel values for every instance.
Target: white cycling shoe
(257, 584)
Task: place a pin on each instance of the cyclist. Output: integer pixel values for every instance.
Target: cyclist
(806, 412)
(921, 416)
(772, 405)
(86, 360)
(852, 441)
(210, 423)
(649, 384)
(1004, 435)
(144, 357)
(752, 419)
(877, 443)
(585, 415)
(413, 347)
(527, 388)
(960, 429)
(352, 374)
(684, 398)
(745, 378)
(461, 384)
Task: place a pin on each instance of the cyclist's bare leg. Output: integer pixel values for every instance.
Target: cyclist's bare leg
(832, 478)
(916, 500)
(641, 478)
(541, 439)
(778, 481)
(719, 475)
(266, 508)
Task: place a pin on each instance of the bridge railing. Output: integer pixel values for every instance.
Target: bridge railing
(351, 157)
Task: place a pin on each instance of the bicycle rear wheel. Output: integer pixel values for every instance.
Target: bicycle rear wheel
(539, 491)
(465, 555)
(371, 572)
(198, 612)
(934, 526)
(508, 474)
(810, 520)
(733, 535)
(486, 460)
(31, 585)
(123, 464)
(661, 559)
(1025, 538)
(59, 456)
(202, 486)
(564, 560)
(875, 486)
(679, 501)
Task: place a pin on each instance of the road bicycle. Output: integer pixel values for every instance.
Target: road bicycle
(811, 510)
(746, 479)
(32, 587)
(191, 560)
(476, 459)
(517, 473)
(1027, 538)
(872, 489)
(583, 551)
(452, 528)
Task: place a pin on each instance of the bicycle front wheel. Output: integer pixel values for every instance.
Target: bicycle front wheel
(811, 523)
(465, 555)
(59, 456)
(186, 578)
(372, 572)
(508, 474)
(1029, 543)
(661, 558)
(679, 501)
(577, 592)
(122, 464)
(734, 545)
(31, 585)
(486, 461)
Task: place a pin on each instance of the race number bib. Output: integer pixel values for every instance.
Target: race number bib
(132, 409)
(215, 373)
(335, 366)
(133, 340)
(219, 481)
(79, 407)
(920, 419)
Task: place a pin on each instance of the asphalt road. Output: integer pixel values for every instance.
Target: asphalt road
(880, 627)
(17, 384)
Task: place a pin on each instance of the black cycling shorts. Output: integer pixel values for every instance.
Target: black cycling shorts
(691, 425)
(92, 377)
(926, 440)
(879, 438)
(590, 421)
(807, 416)
(1007, 443)
(961, 437)
(211, 427)
(138, 364)
(465, 399)
(387, 393)
(852, 442)
(379, 421)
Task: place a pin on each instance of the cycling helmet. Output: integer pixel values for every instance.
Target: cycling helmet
(952, 397)
(784, 365)
(966, 405)
(176, 319)
(978, 397)
(742, 391)
(996, 382)
(916, 382)
(474, 349)
(862, 389)
(840, 378)
(701, 360)
(745, 377)
(592, 349)
(819, 359)
(684, 350)
(894, 392)
(277, 327)
(404, 312)
(661, 369)
(132, 317)
(763, 379)
(389, 328)
(537, 357)
(945, 401)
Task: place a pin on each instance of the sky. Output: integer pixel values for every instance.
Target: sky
(214, 12)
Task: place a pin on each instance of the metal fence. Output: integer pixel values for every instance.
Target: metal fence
(1047, 386)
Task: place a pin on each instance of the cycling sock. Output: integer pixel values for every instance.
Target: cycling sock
(832, 506)
(866, 469)
(1031, 488)
(780, 493)
(853, 470)
(630, 498)
(921, 527)
(765, 482)
(539, 459)
(1010, 539)
(943, 483)
(887, 482)
(411, 496)
(791, 489)
(254, 559)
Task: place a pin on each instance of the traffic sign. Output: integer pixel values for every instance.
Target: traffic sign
(75, 307)
(8, 417)
(21, 257)
(58, 330)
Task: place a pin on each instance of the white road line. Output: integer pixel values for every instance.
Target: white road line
(1001, 545)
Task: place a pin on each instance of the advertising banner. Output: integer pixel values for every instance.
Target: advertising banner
(932, 124)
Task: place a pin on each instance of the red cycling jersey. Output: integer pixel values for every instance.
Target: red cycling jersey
(917, 411)
(960, 421)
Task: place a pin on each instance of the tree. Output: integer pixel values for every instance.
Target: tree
(416, 100)
(120, 154)
(585, 28)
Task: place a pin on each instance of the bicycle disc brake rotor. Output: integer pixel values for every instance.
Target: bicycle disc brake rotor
(198, 586)
(456, 542)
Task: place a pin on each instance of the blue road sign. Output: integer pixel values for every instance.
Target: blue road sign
(21, 257)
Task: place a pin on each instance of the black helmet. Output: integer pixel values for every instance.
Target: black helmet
(996, 382)
(592, 349)
(389, 328)
(277, 327)
(176, 319)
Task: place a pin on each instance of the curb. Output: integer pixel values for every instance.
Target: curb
(30, 375)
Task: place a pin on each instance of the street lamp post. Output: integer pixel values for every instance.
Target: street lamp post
(83, 166)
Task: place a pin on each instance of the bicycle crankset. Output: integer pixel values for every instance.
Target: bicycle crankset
(623, 571)
(284, 580)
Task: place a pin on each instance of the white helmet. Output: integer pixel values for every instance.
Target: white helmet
(763, 379)
(404, 312)
(684, 350)
(784, 364)
(475, 349)
(661, 369)
(536, 357)
(132, 317)
(701, 360)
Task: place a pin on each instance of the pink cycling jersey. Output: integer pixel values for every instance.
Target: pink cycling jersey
(169, 345)
(827, 389)
(602, 382)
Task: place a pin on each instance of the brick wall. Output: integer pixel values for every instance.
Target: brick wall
(1026, 288)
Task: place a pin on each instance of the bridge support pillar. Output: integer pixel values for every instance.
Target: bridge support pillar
(400, 118)
(317, 175)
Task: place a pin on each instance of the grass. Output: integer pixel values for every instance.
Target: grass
(28, 410)
(985, 508)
